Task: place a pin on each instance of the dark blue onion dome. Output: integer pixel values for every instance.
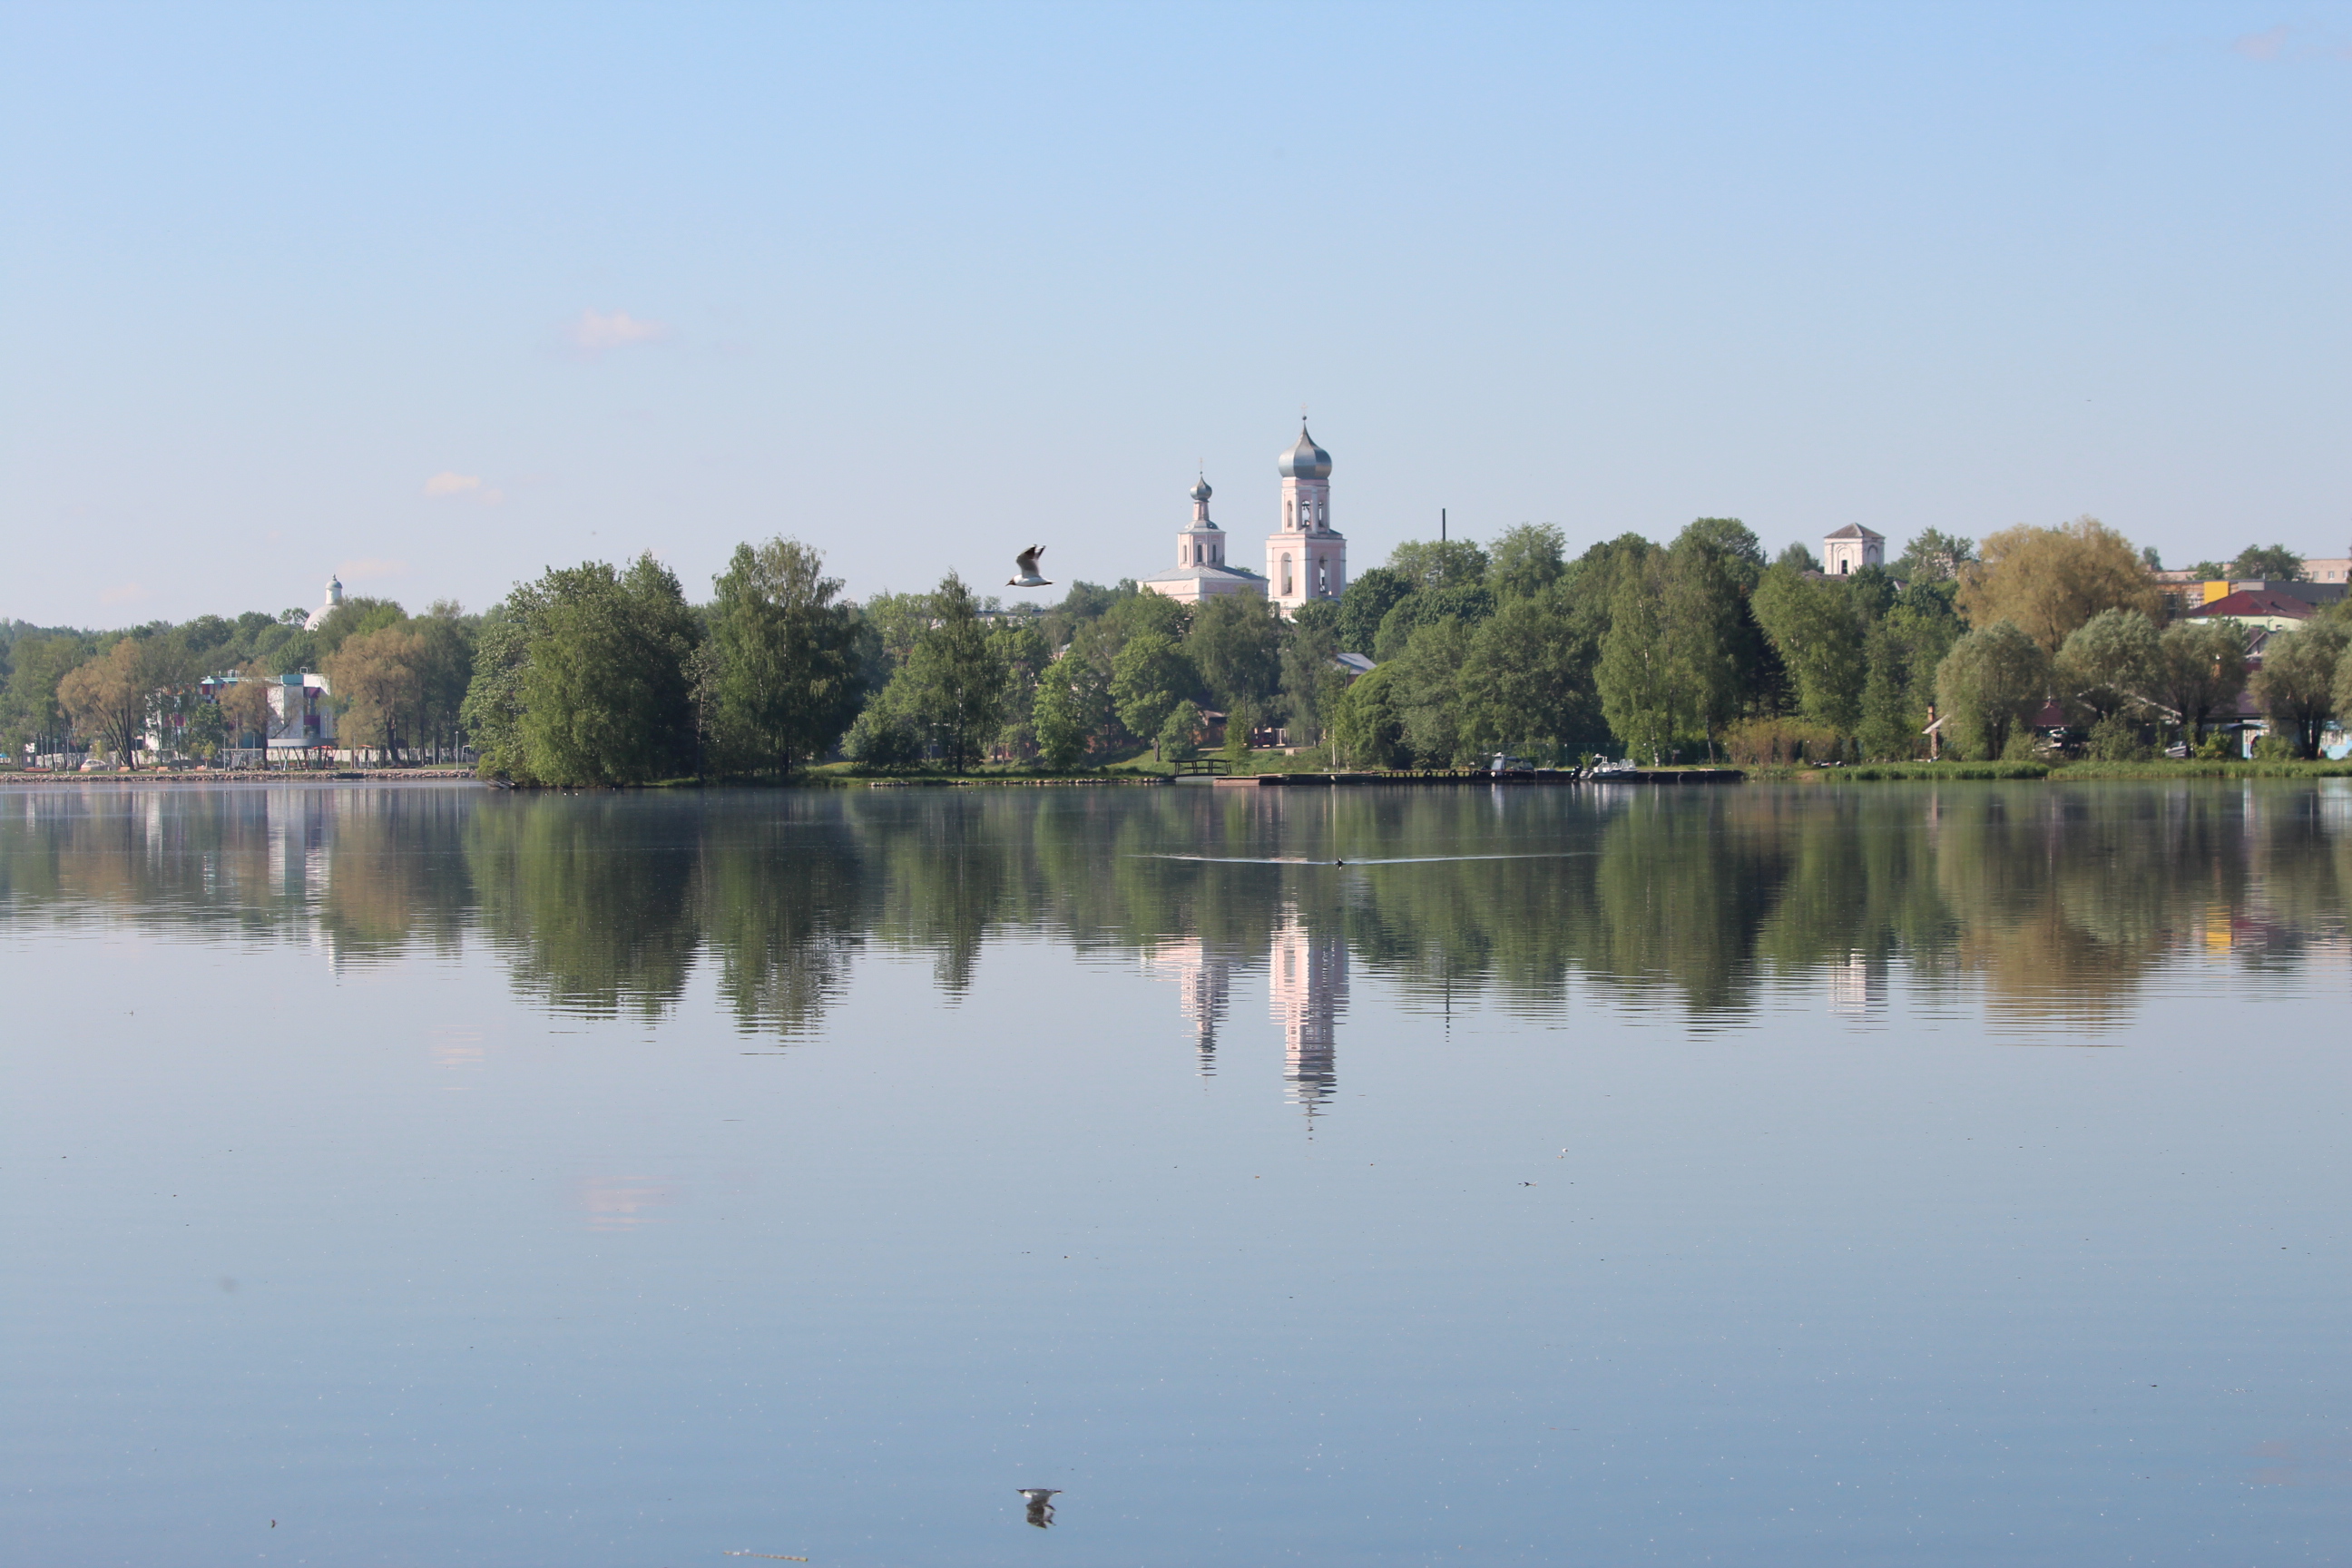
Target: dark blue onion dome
(1305, 460)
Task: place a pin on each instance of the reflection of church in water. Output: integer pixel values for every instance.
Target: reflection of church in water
(1307, 992)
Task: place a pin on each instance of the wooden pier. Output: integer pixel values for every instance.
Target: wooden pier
(1482, 776)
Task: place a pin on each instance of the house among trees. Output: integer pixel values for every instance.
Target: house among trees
(2264, 609)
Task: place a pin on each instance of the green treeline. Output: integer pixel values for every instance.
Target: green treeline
(2058, 901)
(1697, 649)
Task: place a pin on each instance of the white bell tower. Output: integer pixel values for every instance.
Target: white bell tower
(1202, 543)
(1306, 559)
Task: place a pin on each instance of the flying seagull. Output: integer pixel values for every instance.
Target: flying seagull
(1027, 561)
(1041, 1504)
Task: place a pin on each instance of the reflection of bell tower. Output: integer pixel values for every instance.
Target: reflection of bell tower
(1858, 987)
(1308, 994)
(1204, 987)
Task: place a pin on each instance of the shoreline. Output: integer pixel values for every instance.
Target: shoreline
(1784, 774)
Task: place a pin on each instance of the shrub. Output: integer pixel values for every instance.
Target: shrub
(1768, 742)
(2115, 739)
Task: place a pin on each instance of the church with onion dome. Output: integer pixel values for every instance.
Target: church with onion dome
(1305, 559)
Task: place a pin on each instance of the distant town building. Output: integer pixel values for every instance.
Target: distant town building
(1200, 569)
(1851, 549)
(334, 602)
(2327, 569)
(1307, 559)
(2263, 610)
(301, 716)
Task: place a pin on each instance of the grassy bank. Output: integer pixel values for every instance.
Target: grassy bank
(2162, 771)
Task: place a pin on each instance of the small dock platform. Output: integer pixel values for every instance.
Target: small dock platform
(1674, 776)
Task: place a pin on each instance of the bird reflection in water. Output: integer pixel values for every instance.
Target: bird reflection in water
(1041, 1504)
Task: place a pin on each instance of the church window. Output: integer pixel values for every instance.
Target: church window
(1286, 577)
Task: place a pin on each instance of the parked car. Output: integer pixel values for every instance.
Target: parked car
(95, 766)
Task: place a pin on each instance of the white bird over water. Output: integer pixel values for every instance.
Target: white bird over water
(1027, 561)
(1041, 1504)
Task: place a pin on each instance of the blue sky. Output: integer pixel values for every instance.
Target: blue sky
(439, 296)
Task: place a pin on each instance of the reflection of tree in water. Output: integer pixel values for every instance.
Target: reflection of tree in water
(2061, 901)
(589, 898)
(785, 905)
(369, 865)
(396, 874)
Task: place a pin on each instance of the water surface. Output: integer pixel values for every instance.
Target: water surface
(1875, 1175)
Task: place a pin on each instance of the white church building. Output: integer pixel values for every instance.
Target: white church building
(1305, 559)
(1851, 549)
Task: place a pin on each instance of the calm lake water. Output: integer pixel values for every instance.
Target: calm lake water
(1878, 1174)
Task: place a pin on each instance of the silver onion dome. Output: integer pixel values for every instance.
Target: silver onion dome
(1201, 490)
(1305, 460)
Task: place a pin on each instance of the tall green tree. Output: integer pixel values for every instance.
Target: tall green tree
(1990, 684)
(1526, 680)
(355, 617)
(1151, 676)
(112, 696)
(1427, 678)
(1367, 731)
(1312, 684)
(1026, 658)
(1816, 628)
(1713, 644)
(1899, 695)
(1428, 564)
(31, 710)
(2270, 564)
(584, 679)
(1364, 604)
(1641, 690)
(444, 667)
(1525, 560)
(2201, 665)
(492, 710)
(378, 682)
(2296, 684)
(2048, 581)
(1060, 728)
(1935, 557)
(2107, 662)
(1235, 643)
(956, 676)
(1469, 603)
(785, 669)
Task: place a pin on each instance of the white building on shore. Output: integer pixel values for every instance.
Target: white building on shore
(1306, 558)
(1200, 569)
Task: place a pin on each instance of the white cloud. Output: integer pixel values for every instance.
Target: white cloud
(597, 330)
(448, 483)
